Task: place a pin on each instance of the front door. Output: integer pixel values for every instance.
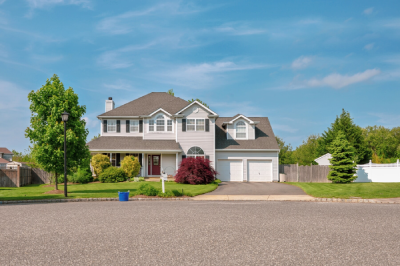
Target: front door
(154, 165)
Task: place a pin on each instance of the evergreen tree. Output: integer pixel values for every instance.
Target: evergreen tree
(306, 153)
(353, 134)
(342, 164)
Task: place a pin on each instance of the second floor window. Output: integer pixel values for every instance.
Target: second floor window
(160, 123)
(111, 126)
(169, 125)
(240, 130)
(151, 125)
(134, 126)
(195, 125)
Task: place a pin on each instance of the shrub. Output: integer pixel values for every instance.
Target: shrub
(112, 175)
(167, 194)
(131, 166)
(195, 171)
(147, 190)
(80, 176)
(100, 163)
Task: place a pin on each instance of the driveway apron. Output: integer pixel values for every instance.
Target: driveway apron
(256, 188)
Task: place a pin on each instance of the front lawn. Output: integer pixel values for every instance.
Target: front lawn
(96, 190)
(345, 191)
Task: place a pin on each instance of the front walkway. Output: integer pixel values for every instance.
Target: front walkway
(256, 188)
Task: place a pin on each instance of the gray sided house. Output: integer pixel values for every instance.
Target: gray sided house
(162, 130)
(5, 156)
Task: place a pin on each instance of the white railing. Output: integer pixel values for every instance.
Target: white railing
(371, 164)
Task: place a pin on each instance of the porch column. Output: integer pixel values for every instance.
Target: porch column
(177, 164)
(161, 163)
(143, 166)
(111, 158)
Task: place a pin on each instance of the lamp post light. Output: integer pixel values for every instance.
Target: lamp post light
(64, 117)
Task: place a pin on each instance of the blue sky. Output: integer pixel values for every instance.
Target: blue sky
(297, 62)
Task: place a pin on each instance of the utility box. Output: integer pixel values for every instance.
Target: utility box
(282, 178)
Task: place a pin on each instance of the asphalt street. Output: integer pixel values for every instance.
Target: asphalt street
(200, 233)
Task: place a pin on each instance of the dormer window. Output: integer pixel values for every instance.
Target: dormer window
(160, 122)
(241, 130)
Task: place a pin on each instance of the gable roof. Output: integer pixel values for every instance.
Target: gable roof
(238, 116)
(264, 139)
(5, 151)
(147, 104)
(202, 105)
(323, 156)
(2, 161)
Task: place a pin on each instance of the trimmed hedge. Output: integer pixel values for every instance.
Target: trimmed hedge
(112, 175)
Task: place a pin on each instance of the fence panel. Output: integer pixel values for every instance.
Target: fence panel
(8, 177)
(40, 176)
(305, 173)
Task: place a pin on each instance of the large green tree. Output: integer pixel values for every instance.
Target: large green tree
(285, 153)
(353, 134)
(342, 163)
(46, 131)
(382, 141)
(306, 153)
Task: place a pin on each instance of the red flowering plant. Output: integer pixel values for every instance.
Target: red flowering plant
(195, 171)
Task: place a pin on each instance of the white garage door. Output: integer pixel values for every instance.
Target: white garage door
(260, 171)
(230, 170)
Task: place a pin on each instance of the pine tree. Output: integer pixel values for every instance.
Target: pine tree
(342, 162)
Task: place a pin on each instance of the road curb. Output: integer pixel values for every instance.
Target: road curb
(88, 199)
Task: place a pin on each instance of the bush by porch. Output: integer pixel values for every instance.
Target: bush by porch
(98, 190)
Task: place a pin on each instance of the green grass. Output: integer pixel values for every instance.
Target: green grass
(345, 191)
(96, 190)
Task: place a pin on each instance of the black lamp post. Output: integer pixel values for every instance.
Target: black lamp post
(64, 117)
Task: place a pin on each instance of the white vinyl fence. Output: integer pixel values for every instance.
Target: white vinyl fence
(373, 172)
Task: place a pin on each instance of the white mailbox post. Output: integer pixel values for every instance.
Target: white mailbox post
(164, 177)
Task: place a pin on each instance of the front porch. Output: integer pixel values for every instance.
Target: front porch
(152, 163)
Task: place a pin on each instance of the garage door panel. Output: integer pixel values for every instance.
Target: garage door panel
(230, 170)
(259, 170)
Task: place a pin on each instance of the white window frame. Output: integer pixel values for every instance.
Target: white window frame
(159, 118)
(246, 129)
(170, 126)
(195, 155)
(151, 120)
(111, 123)
(195, 124)
(166, 126)
(132, 125)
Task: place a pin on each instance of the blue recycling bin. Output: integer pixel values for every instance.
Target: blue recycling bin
(123, 196)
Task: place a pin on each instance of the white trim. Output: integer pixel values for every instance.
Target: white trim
(177, 164)
(108, 125)
(176, 130)
(158, 110)
(241, 116)
(111, 117)
(101, 127)
(247, 150)
(198, 104)
(195, 125)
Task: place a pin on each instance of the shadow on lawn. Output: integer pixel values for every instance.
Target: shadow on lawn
(108, 191)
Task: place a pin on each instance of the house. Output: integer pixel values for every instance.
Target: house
(5, 156)
(162, 130)
(324, 159)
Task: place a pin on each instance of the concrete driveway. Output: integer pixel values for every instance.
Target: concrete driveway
(256, 188)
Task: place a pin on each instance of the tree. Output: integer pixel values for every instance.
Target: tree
(46, 131)
(100, 162)
(25, 157)
(171, 92)
(342, 163)
(131, 166)
(382, 142)
(95, 137)
(306, 153)
(285, 153)
(203, 103)
(353, 134)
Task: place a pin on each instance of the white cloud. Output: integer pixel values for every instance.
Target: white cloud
(338, 81)
(369, 46)
(239, 29)
(301, 62)
(393, 23)
(204, 75)
(119, 85)
(47, 3)
(91, 123)
(369, 11)
(47, 58)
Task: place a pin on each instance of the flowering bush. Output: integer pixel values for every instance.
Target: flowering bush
(195, 171)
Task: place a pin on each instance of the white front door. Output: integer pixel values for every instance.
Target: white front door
(259, 171)
(230, 170)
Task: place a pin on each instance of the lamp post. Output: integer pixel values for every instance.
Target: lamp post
(64, 117)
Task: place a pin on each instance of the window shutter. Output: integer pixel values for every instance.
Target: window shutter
(140, 159)
(105, 126)
(183, 157)
(118, 126)
(183, 127)
(207, 157)
(128, 123)
(140, 126)
(207, 125)
(118, 159)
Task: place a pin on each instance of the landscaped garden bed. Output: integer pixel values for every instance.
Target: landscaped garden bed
(350, 190)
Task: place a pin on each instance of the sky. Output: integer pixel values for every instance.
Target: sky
(297, 62)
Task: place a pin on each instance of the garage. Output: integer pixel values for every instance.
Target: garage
(230, 170)
(259, 170)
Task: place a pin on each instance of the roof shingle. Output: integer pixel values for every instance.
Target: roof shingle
(132, 143)
(5, 150)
